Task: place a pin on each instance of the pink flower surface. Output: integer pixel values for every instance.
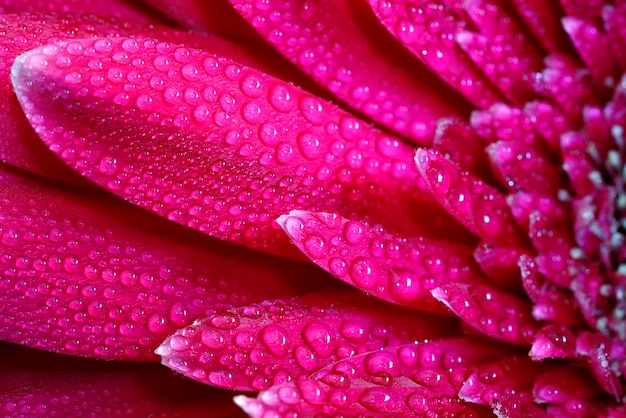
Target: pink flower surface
(359, 208)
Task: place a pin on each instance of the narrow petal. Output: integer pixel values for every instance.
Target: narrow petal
(501, 49)
(211, 144)
(514, 374)
(492, 312)
(88, 275)
(274, 342)
(457, 141)
(568, 386)
(542, 18)
(37, 384)
(341, 45)
(428, 29)
(393, 268)
(522, 167)
(481, 208)
(592, 45)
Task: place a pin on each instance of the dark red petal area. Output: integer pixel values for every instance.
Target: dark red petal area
(88, 275)
(39, 384)
(273, 342)
(343, 47)
(211, 144)
(214, 16)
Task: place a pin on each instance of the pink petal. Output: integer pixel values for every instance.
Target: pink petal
(37, 384)
(554, 342)
(20, 145)
(428, 29)
(88, 275)
(457, 141)
(212, 145)
(592, 45)
(504, 123)
(500, 265)
(393, 268)
(500, 49)
(276, 341)
(491, 381)
(550, 122)
(403, 381)
(590, 10)
(126, 10)
(342, 46)
(565, 83)
(481, 208)
(615, 26)
(565, 385)
(543, 19)
(522, 167)
(492, 312)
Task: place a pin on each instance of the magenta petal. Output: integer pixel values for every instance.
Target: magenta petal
(491, 311)
(38, 384)
(127, 10)
(615, 26)
(523, 167)
(554, 342)
(428, 29)
(403, 381)
(457, 141)
(20, 145)
(568, 386)
(341, 45)
(500, 48)
(393, 268)
(257, 346)
(211, 144)
(592, 45)
(491, 381)
(542, 18)
(478, 206)
(89, 275)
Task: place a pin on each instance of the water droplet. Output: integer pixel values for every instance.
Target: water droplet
(320, 338)
(280, 98)
(276, 340)
(362, 273)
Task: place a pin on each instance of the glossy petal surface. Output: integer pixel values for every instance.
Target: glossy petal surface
(276, 341)
(392, 268)
(241, 147)
(88, 275)
(341, 46)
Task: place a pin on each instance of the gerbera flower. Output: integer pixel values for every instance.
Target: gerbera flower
(458, 164)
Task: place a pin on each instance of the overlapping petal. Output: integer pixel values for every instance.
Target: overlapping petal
(417, 379)
(211, 144)
(276, 341)
(393, 268)
(85, 274)
(341, 45)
